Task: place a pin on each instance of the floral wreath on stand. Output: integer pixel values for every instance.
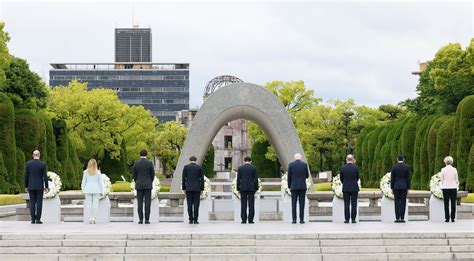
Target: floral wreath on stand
(207, 188)
(54, 185)
(435, 185)
(385, 186)
(154, 191)
(107, 186)
(284, 184)
(337, 186)
(237, 193)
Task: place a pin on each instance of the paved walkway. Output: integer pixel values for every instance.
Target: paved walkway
(23, 227)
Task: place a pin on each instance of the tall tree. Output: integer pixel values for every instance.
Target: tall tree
(4, 56)
(168, 144)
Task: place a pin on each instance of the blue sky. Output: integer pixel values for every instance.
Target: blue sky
(363, 50)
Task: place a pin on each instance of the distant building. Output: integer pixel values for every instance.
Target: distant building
(133, 45)
(161, 88)
(186, 117)
(422, 67)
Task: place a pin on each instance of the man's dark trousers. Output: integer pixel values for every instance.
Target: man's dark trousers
(36, 203)
(350, 198)
(300, 197)
(193, 198)
(400, 196)
(247, 196)
(144, 194)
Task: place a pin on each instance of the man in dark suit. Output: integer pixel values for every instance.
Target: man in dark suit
(350, 188)
(297, 174)
(143, 175)
(192, 186)
(400, 183)
(247, 185)
(36, 182)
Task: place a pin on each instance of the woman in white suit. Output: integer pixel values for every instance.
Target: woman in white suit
(92, 187)
(449, 184)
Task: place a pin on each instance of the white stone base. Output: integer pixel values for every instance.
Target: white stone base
(338, 210)
(103, 211)
(237, 204)
(388, 210)
(51, 212)
(436, 209)
(204, 209)
(154, 211)
(286, 208)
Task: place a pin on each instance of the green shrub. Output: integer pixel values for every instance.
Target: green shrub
(420, 135)
(469, 199)
(62, 151)
(117, 167)
(76, 165)
(208, 163)
(10, 200)
(4, 185)
(424, 159)
(26, 131)
(432, 139)
(121, 186)
(165, 188)
(265, 168)
(465, 137)
(407, 141)
(378, 157)
(470, 172)
(443, 143)
(52, 160)
(42, 138)
(20, 166)
(7, 140)
(371, 146)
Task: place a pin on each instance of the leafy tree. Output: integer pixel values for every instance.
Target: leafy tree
(208, 163)
(168, 145)
(393, 111)
(293, 95)
(115, 168)
(24, 87)
(4, 56)
(7, 138)
(265, 168)
(97, 121)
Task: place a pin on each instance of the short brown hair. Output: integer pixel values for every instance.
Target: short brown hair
(192, 158)
(143, 153)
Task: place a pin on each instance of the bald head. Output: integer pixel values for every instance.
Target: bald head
(36, 154)
(298, 156)
(350, 158)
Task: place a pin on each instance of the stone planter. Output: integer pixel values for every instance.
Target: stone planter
(154, 211)
(51, 212)
(103, 212)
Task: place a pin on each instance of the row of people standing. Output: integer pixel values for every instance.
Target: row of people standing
(400, 183)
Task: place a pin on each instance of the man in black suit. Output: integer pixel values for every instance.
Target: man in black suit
(36, 182)
(297, 174)
(143, 175)
(192, 186)
(400, 183)
(350, 188)
(247, 185)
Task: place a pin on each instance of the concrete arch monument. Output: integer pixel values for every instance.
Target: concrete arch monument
(239, 101)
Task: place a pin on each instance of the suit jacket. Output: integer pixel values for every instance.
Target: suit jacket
(297, 175)
(400, 176)
(349, 178)
(143, 174)
(36, 177)
(247, 178)
(193, 178)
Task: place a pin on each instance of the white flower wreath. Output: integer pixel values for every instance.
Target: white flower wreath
(54, 185)
(436, 186)
(207, 188)
(237, 193)
(284, 183)
(337, 186)
(154, 191)
(385, 186)
(107, 186)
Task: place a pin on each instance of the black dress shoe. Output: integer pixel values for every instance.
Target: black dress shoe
(447, 220)
(346, 221)
(140, 222)
(301, 222)
(191, 222)
(353, 221)
(251, 222)
(33, 221)
(38, 222)
(452, 220)
(402, 221)
(243, 222)
(196, 222)
(293, 222)
(397, 221)
(147, 222)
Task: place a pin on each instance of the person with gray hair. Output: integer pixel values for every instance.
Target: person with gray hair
(350, 188)
(36, 182)
(449, 185)
(297, 174)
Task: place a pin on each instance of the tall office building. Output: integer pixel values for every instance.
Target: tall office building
(133, 45)
(162, 88)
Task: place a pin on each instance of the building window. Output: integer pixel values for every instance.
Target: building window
(228, 142)
(228, 163)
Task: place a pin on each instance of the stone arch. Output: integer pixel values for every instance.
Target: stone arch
(239, 101)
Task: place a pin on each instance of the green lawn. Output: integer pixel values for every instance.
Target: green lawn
(121, 186)
(469, 198)
(10, 199)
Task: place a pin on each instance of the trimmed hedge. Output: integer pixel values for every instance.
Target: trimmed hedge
(407, 141)
(470, 171)
(42, 138)
(52, 160)
(62, 151)
(7, 141)
(20, 166)
(208, 162)
(26, 131)
(10, 200)
(432, 140)
(443, 143)
(465, 137)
